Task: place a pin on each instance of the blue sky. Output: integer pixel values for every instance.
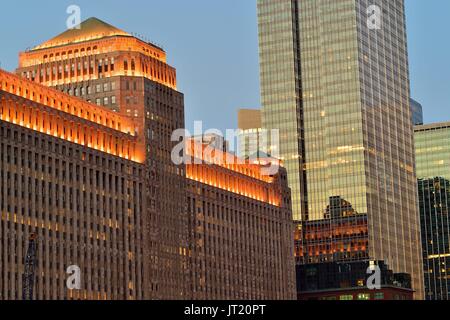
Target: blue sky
(214, 46)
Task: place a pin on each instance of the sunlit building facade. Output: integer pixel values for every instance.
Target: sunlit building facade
(433, 173)
(339, 94)
(78, 184)
(241, 229)
(119, 77)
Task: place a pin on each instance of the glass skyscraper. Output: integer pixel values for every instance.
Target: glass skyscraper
(433, 171)
(336, 85)
(416, 112)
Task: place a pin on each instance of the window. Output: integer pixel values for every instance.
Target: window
(105, 87)
(346, 297)
(113, 99)
(379, 296)
(98, 102)
(363, 296)
(106, 101)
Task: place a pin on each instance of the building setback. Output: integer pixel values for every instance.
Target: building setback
(339, 93)
(433, 173)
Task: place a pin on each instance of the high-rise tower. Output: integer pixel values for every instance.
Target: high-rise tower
(335, 82)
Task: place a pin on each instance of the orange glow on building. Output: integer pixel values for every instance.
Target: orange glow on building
(344, 238)
(203, 152)
(68, 118)
(222, 170)
(84, 55)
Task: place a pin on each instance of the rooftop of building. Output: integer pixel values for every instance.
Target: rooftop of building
(55, 99)
(206, 153)
(90, 29)
(432, 126)
(102, 122)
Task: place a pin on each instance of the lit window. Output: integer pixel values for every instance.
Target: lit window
(363, 296)
(346, 297)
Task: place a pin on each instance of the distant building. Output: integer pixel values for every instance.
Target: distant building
(433, 172)
(416, 112)
(250, 133)
(349, 281)
(342, 236)
(215, 141)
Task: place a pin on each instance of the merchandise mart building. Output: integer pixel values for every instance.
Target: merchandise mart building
(114, 87)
